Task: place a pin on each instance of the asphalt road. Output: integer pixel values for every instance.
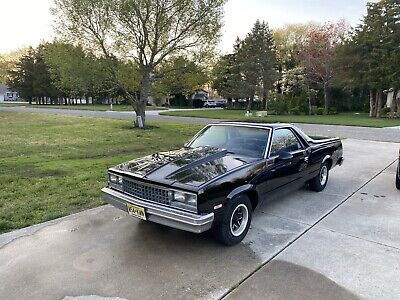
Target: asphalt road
(361, 133)
(342, 243)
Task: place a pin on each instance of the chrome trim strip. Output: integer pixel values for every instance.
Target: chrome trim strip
(326, 157)
(131, 177)
(150, 185)
(161, 214)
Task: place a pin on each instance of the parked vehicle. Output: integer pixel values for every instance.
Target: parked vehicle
(221, 103)
(398, 174)
(219, 177)
(209, 104)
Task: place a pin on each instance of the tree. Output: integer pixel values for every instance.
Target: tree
(318, 54)
(257, 60)
(20, 79)
(145, 31)
(226, 78)
(367, 59)
(31, 77)
(178, 76)
(288, 41)
(8, 62)
(78, 73)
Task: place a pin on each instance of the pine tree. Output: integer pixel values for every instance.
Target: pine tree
(257, 59)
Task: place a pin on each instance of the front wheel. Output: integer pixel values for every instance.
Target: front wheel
(398, 177)
(319, 182)
(235, 222)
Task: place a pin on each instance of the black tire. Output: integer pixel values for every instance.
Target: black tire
(319, 182)
(398, 177)
(224, 231)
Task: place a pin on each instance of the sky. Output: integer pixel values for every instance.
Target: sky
(28, 22)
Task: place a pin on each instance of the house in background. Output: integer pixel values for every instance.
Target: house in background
(198, 98)
(6, 95)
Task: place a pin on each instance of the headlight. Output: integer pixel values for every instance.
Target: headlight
(115, 181)
(184, 200)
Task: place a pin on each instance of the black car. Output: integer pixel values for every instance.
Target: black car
(219, 177)
(398, 174)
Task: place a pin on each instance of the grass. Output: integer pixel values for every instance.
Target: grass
(52, 166)
(349, 119)
(96, 107)
(12, 104)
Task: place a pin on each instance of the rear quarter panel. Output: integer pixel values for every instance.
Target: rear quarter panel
(332, 149)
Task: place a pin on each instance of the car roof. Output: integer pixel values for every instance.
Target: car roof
(253, 124)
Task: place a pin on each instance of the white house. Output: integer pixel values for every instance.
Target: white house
(6, 95)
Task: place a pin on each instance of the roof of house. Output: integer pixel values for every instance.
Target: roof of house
(3, 88)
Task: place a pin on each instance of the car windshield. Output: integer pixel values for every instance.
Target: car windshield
(247, 141)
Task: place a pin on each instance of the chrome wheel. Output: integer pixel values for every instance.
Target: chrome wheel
(239, 219)
(323, 175)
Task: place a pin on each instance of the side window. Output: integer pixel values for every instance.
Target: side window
(284, 140)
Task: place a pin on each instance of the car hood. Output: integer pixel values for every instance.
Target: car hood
(188, 166)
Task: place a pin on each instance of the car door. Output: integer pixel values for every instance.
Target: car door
(282, 172)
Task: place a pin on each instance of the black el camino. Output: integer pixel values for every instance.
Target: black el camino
(220, 177)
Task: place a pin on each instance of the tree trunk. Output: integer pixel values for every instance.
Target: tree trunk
(378, 103)
(372, 104)
(250, 103)
(326, 98)
(140, 107)
(393, 104)
(229, 103)
(265, 97)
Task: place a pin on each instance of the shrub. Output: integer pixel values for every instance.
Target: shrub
(295, 111)
(385, 111)
(257, 105)
(314, 110)
(320, 111)
(333, 111)
(279, 103)
(300, 101)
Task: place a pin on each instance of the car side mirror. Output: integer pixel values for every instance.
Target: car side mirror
(284, 155)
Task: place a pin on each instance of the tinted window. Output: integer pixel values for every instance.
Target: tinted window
(284, 140)
(246, 141)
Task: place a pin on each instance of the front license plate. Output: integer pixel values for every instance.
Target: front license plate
(136, 211)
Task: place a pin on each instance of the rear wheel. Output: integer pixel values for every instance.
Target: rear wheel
(319, 182)
(235, 222)
(398, 177)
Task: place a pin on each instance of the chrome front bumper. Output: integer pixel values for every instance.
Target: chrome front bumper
(161, 214)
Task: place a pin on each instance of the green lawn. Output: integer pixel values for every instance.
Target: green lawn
(349, 119)
(98, 107)
(52, 166)
(8, 104)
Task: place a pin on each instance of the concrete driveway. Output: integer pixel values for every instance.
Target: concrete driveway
(343, 243)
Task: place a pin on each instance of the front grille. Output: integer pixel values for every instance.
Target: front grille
(146, 191)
